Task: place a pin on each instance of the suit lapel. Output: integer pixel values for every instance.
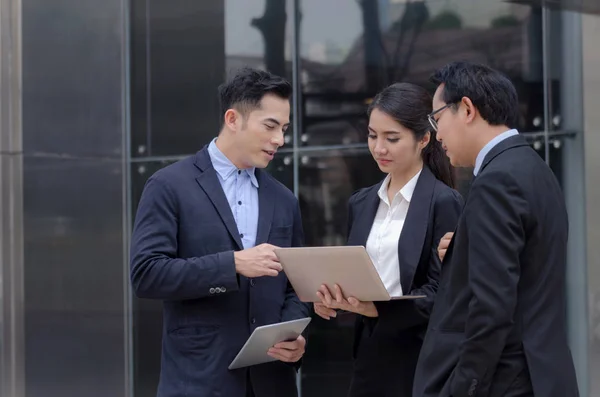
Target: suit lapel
(363, 221)
(209, 182)
(508, 143)
(502, 146)
(265, 208)
(412, 237)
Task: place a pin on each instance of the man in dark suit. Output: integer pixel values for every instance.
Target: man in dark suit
(203, 243)
(498, 326)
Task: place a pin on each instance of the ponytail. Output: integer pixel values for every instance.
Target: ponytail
(437, 161)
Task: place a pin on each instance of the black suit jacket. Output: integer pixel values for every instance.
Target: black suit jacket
(182, 253)
(397, 333)
(498, 324)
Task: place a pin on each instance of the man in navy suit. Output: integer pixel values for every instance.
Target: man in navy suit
(203, 243)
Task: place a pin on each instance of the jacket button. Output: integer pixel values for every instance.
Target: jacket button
(253, 320)
(252, 282)
(223, 289)
(212, 290)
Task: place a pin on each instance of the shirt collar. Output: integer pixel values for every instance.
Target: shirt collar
(224, 167)
(406, 192)
(489, 146)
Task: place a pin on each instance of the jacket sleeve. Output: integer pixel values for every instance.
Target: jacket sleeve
(397, 315)
(496, 219)
(156, 271)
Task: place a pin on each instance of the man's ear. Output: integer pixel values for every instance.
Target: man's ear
(232, 119)
(469, 108)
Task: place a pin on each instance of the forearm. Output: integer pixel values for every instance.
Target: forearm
(160, 277)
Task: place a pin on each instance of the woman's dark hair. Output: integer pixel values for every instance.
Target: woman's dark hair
(409, 105)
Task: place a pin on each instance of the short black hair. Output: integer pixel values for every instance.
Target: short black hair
(492, 93)
(248, 87)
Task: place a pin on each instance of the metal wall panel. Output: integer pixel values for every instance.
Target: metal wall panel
(591, 100)
(74, 139)
(569, 47)
(11, 209)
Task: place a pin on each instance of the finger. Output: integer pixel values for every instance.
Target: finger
(326, 295)
(325, 312)
(269, 246)
(282, 354)
(271, 256)
(323, 315)
(268, 272)
(288, 345)
(322, 298)
(353, 301)
(442, 254)
(274, 265)
(448, 236)
(321, 310)
(279, 356)
(338, 293)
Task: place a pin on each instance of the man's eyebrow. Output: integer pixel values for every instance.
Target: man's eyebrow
(272, 120)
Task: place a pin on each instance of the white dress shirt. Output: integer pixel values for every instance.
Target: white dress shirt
(382, 244)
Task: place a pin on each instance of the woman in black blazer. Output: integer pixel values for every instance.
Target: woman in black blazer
(400, 221)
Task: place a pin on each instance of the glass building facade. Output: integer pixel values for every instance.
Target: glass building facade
(96, 96)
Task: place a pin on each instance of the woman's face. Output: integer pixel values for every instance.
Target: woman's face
(392, 145)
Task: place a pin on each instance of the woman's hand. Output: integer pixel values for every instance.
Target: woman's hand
(444, 244)
(336, 300)
(324, 312)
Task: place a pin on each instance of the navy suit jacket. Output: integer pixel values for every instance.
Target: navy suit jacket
(182, 250)
(390, 343)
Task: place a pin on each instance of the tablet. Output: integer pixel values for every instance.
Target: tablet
(350, 267)
(263, 338)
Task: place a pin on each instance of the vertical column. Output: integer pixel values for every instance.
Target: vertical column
(11, 203)
(591, 172)
(571, 87)
(75, 137)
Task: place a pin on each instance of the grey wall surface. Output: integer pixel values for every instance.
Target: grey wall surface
(11, 203)
(591, 99)
(74, 145)
(569, 45)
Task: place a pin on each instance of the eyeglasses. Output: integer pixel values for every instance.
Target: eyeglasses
(432, 121)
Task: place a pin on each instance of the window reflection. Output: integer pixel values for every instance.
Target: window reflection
(384, 41)
(182, 50)
(376, 43)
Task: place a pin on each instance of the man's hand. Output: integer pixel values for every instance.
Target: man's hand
(257, 261)
(288, 352)
(443, 245)
(336, 300)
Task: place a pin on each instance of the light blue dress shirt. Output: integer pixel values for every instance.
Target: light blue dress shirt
(241, 189)
(489, 146)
